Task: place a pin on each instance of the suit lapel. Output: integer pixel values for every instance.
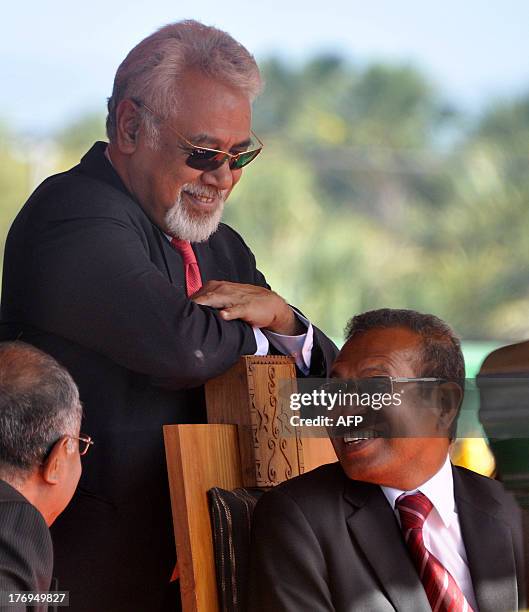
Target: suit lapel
(374, 528)
(212, 264)
(173, 262)
(488, 544)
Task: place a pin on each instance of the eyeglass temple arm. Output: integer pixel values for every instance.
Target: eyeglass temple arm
(148, 108)
(406, 379)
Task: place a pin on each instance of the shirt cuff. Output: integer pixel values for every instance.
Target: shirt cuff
(262, 342)
(299, 347)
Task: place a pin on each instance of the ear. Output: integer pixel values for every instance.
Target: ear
(127, 126)
(54, 465)
(450, 398)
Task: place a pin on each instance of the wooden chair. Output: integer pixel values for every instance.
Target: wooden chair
(248, 442)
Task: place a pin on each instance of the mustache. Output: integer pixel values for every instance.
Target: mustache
(204, 191)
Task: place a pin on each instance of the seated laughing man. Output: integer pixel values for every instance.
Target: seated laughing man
(393, 525)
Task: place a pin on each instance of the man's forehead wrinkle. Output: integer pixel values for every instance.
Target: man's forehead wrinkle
(340, 368)
(394, 358)
(373, 364)
(343, 366)
(379, 363)
(374, 368)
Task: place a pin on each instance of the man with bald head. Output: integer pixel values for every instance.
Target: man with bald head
(393, 525)
(121, 269)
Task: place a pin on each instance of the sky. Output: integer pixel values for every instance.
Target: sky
(58, 57)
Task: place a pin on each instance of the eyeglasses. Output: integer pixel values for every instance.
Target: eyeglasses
(85, 442)
(207, 160)
(371, 385)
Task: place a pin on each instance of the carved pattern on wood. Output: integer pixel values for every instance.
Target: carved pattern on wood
(299, 446)
(276, 443)
(259, 421)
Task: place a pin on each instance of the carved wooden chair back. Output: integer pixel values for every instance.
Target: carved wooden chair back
(247, 443)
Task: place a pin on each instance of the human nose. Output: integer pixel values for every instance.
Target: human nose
(222, 177)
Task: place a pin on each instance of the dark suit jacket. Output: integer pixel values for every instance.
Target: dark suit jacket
(92, 281)
(323, 542)
(26, 552)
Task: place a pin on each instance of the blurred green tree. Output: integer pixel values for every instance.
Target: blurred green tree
(371, 191)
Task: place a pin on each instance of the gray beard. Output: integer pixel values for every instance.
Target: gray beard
(182, 225)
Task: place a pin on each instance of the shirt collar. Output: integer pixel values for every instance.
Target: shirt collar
(439, 489)
(107, 155)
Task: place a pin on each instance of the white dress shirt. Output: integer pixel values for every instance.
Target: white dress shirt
(441, 530)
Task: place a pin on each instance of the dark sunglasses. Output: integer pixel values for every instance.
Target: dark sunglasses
(207, 160)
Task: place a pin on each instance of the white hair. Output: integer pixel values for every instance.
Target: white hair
(152, 71)
(183, 225)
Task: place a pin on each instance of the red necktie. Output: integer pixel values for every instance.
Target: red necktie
(441, 589)
(193, 284)
(193, 278)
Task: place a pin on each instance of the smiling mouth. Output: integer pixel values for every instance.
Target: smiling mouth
(359, 437)
(200, 198)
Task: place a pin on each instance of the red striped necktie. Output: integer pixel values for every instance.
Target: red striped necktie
(441, 589)
(193, 278)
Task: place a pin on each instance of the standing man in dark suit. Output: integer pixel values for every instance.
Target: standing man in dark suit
(40, 447)
(122, 270)
(393, 525)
